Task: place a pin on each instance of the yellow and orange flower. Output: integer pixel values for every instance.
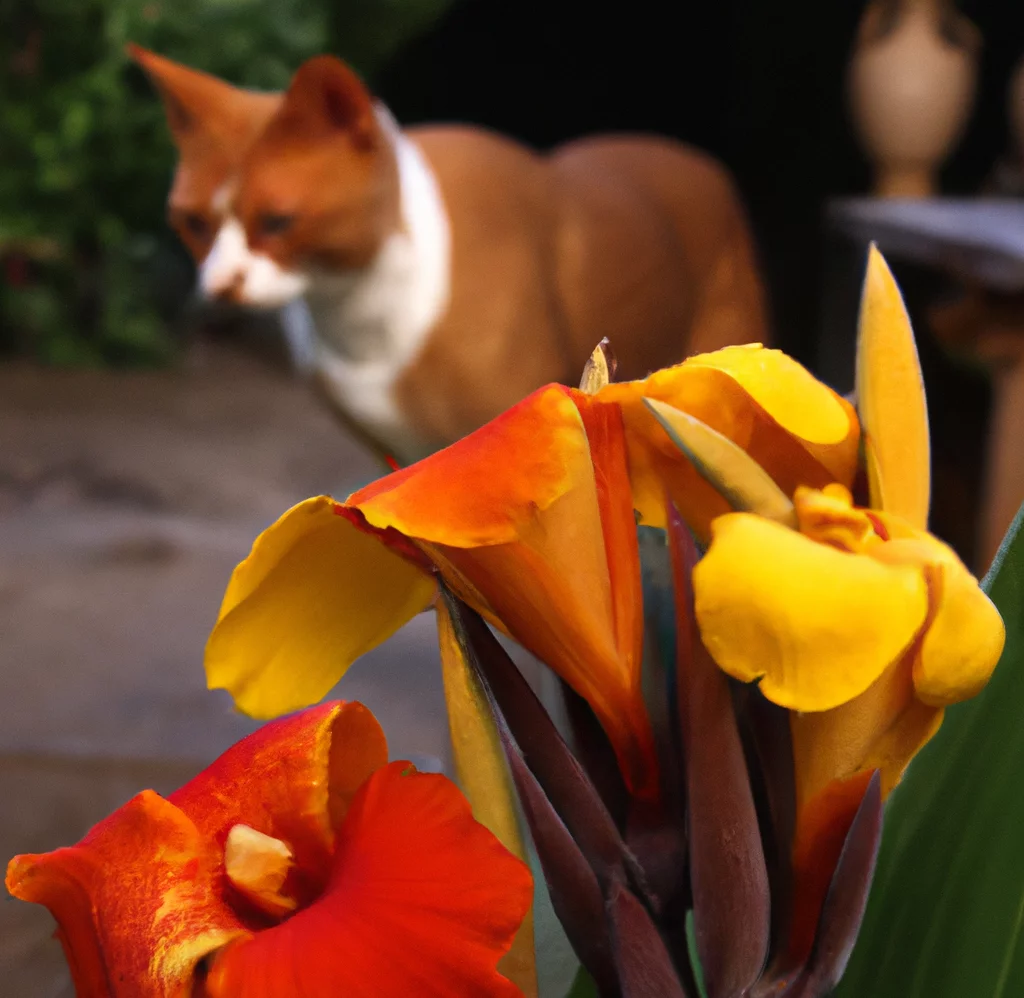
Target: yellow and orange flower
(859, 621)
(299, 865)
(531, 521)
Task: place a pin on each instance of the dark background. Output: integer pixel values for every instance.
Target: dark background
(759, 83)
(762, 85)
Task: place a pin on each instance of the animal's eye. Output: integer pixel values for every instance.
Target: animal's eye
(195, 224)
(274, 224)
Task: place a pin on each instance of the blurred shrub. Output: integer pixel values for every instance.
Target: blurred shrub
(88, 269)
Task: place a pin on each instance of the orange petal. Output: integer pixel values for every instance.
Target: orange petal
(138, 901)
(530, 520)
(293, 780)
(834, 754)
(821, 831)
(422, 901)
(486, 487)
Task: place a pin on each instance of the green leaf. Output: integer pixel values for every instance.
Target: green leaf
(946, 914)
(583, 986)
(724, 465)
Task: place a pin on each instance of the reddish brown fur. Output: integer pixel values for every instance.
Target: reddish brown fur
(642, 240)
(323, 160)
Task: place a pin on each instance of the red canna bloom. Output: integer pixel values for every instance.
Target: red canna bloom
(299, 865)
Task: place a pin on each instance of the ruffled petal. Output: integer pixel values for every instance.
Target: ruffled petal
(964, 635)
(964, 641)
(293, 780)
(423, 901)
(138, 901)
(799, 403)
(816, 625)
(891, 399)
(315, 593)
(795, 427)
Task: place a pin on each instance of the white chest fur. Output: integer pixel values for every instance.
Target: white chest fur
(371, 325)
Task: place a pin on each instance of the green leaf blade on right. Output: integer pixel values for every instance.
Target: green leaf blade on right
(946, 913)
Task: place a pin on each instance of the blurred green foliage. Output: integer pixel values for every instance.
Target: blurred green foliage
(89, 272)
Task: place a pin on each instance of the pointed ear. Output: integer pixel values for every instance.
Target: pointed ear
(327, 96)
(196, 102)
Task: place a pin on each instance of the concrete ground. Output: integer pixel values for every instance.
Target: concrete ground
(125, 501)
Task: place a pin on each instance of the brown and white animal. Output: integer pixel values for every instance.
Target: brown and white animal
(448, 270)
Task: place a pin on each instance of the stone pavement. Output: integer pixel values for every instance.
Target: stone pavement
(125, 501)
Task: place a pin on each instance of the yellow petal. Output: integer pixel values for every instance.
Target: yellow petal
(483, 776)
(795, 427)
(891, 399)
(818, 626)
(315, 593)
(786, 390)
(963, 642)
(964, 635)
(734, 473)
(883, 728)
(829, 517)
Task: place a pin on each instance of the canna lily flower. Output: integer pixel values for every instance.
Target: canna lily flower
(299, 865)
(772, 408)
(859, 621)
(530, 520)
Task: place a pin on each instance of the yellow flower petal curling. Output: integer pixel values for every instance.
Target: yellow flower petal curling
(815, 624)
(315, 593)
(795, 427)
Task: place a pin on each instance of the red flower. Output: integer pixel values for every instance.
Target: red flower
(300, 864)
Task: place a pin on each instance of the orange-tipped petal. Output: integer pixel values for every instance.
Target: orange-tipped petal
(138, 901)
(820, 834)
(487, 487)
(423, 900)
(315, 593)
(891, 399)
(530, 520)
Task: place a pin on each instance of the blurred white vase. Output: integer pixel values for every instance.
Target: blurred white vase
(911, 87)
